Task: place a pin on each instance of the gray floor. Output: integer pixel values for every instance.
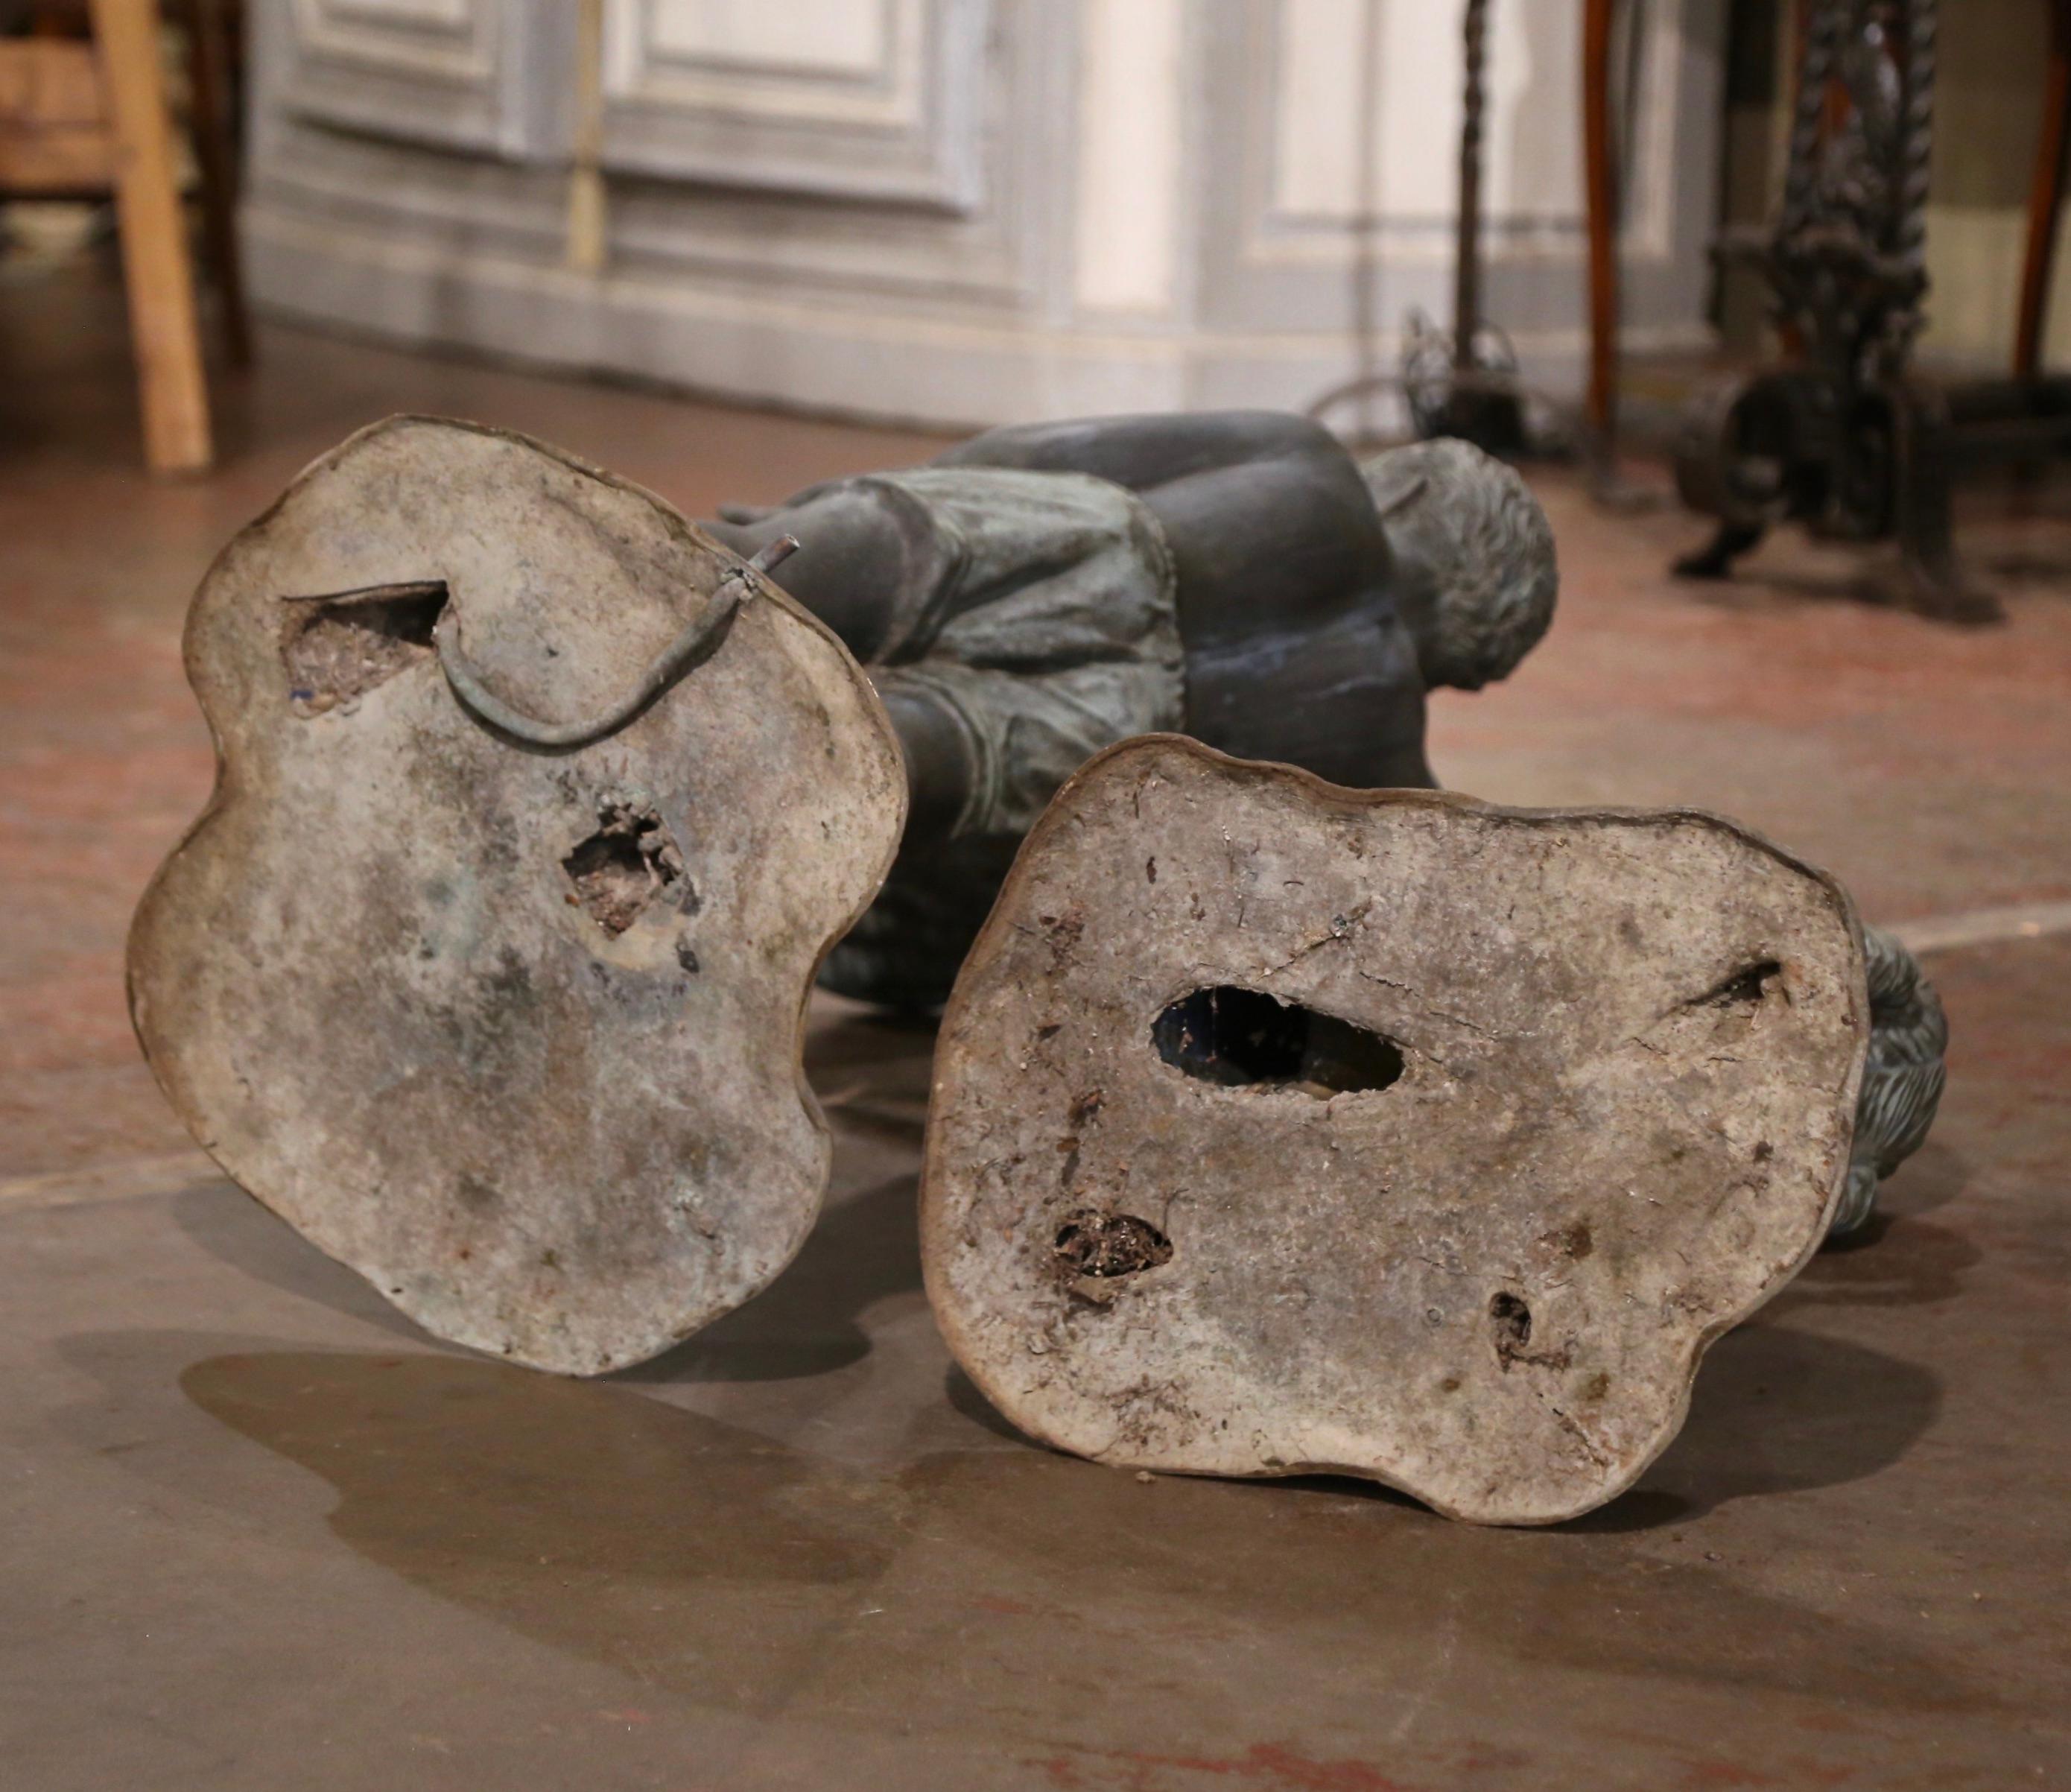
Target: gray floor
(259, 1533)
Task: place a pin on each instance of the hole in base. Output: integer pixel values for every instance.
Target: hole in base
(337, 649)
(1244, 1038)
(1511, 1320)
(1111, 1244)
(622, 867)
(1746, 987)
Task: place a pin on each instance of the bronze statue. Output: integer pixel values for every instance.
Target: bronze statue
(1038, 593)
(485, 965)
(1384, 1133)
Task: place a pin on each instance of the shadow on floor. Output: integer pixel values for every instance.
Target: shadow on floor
(714, 1561)
(1899, 1259)
(870, 1071)
(806, 1322)
(238, 1231)
(717, 1566)
(1775, 1411)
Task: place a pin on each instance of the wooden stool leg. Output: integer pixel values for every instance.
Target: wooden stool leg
(2045, 196)
(166, 337)
(208, 62)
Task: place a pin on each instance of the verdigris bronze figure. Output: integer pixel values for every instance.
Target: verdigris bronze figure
(539, 808)
(1903, 1079)
(1037, 594)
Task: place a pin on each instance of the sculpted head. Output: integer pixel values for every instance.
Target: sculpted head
(1474, 560)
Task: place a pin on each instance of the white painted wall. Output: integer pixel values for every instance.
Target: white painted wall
(845, 36)
(1368, 103)
(1132, 74)
(416, 12)
(960, 210)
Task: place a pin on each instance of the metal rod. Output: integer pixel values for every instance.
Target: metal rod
(699, 640)
(1601, 173)
(1468, 256)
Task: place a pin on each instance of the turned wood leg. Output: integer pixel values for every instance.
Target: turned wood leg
(157, 271)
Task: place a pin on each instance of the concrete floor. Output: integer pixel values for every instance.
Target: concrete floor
(259, 1533)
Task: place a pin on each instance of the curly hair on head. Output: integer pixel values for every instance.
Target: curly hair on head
(1465, 525)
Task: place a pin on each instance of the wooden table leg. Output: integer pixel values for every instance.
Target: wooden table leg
(2045, 196)
(589, 228)
(156, 270)
(1600, 175)
(215, 98)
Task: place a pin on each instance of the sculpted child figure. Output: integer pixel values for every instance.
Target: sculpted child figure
(1038, 593)
(538, 808)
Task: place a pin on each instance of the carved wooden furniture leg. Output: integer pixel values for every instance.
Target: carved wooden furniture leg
(1843, 438)
(156, 270)
(588, 225)
(2045, 196)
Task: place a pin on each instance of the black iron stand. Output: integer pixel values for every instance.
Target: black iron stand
(1847, 438)
(1464, 382)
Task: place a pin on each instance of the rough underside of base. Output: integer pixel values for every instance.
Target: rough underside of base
(512, 1032)
(1279, 1128)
